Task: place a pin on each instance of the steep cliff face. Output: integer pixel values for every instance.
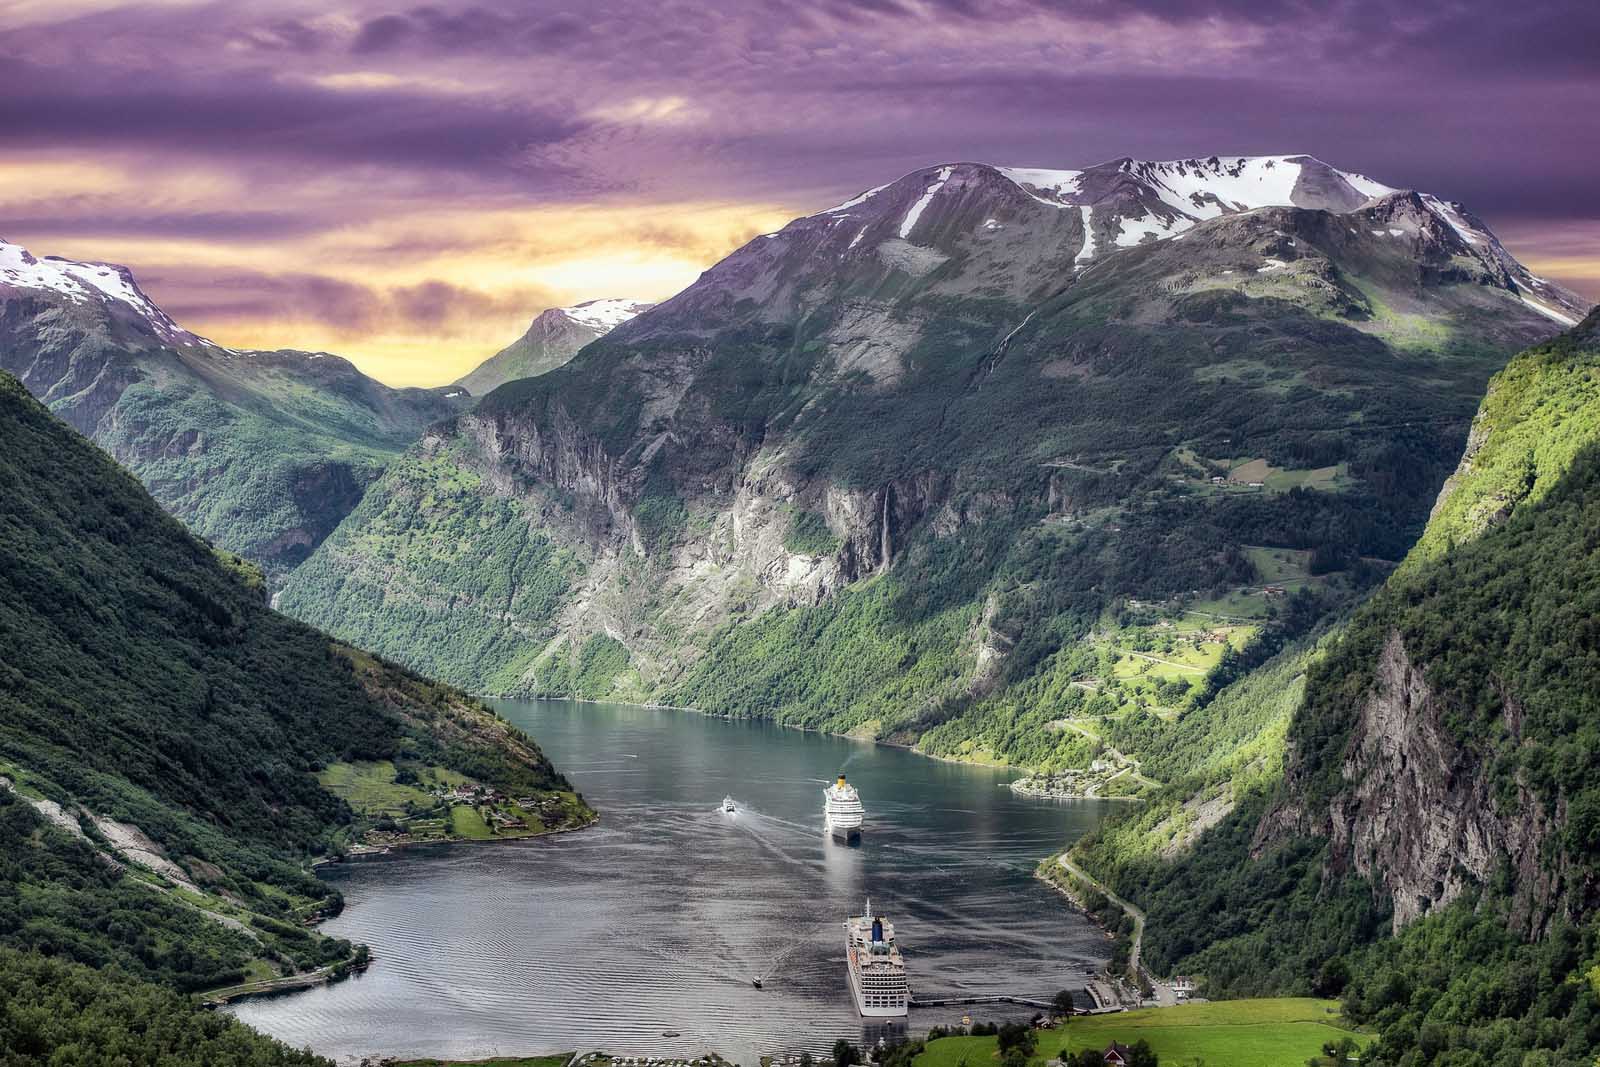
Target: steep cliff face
(1421, 818)
(1447, 743)
(909, 447)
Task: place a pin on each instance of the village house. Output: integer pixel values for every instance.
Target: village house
(1183, 986)
(1117, 1053)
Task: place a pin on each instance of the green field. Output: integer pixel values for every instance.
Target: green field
(1277, 1032)
(370, 787)
(1178, 648)
(1285, 478)
(466, 822)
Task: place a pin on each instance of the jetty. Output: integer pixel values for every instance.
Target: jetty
(947, 1002)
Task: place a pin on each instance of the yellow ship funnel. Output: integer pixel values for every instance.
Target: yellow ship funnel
(841, 780)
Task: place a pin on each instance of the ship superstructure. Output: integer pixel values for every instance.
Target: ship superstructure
(841, 809)
(876, 968)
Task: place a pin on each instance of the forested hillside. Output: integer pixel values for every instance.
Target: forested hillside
(172, 754)
(1428, 850)
(1010, 465)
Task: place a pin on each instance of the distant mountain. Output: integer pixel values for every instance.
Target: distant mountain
(1428, 772)
(554, 338)
(887, 469)
(173, 754)
(263, 452)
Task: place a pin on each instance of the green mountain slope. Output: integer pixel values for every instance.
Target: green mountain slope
(1429, 848)
(949, 464)
(261, 452)
(173, 753)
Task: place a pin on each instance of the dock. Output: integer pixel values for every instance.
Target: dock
(949, 1002)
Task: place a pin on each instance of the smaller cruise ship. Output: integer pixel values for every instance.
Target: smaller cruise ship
(842, 811)
(877, 970)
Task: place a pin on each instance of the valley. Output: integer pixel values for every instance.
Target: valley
(1217, 531)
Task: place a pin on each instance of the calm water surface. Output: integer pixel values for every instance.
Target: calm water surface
(657, 919)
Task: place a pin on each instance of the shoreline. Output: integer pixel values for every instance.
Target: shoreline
(355, 963)
(1021, 789)
(370, 852)
(724, 717)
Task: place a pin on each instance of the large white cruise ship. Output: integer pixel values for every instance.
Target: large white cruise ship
(877, 970)
(841, 808)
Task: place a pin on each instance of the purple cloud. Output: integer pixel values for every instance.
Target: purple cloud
(327, 115)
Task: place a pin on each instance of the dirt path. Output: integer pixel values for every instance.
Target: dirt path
(1168, 662)
(320, 976)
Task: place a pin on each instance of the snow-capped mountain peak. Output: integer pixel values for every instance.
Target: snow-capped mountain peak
(1011, 232)
(89, 284)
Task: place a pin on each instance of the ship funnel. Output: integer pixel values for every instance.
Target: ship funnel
(877, 929)
(841, 779)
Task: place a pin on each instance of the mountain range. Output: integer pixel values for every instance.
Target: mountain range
(263, 452)
(884, 470)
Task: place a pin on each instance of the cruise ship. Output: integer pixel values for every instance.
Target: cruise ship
(841, 808)
(877, 970)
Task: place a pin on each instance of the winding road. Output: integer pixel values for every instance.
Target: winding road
(1163, 992)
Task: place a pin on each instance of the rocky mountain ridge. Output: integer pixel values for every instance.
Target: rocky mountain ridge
(553, 338)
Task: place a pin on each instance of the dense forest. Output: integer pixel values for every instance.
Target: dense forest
(1497, 607)
(161, 735)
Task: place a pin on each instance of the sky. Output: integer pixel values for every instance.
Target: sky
(408, 184)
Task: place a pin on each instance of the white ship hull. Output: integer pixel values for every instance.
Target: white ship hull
(844, 829)
(873, 1011)
(842, 812)
(877, 970)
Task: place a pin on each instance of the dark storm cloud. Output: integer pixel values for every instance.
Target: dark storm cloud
(252, 115)
(470, 29)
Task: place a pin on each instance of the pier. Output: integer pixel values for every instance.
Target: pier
(948, 1002)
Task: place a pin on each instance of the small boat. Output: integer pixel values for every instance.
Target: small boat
(729, 806)
(756, 982)
(670, 1033)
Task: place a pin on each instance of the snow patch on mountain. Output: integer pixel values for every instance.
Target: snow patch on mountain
(606, 314)
(1087, 251)
(915, 213)
(87, 284)
(1450, 214)
(1134, 231)
(1205, 190)
(1546, 310)
(859, 198)
(1052, 187)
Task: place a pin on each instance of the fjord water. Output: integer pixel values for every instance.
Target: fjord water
(657, 919)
